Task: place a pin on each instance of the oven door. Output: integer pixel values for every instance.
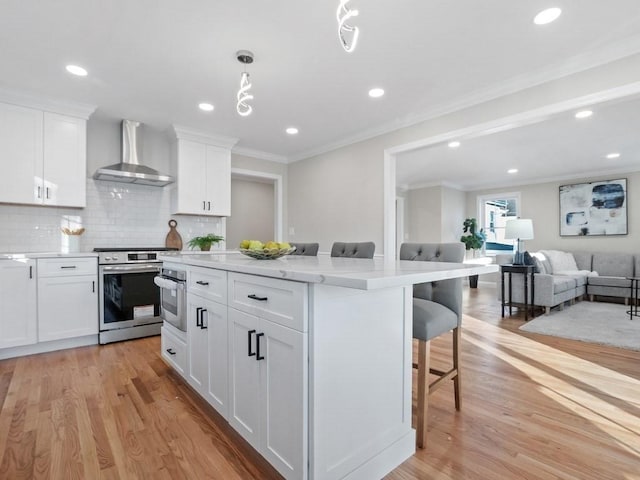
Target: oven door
(173, 302)
(128, 296)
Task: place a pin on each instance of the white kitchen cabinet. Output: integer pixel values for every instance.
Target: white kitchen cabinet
(174, 349)
(267, 390)
(202, 167)
(18, 321)
(44, 157)
(67, 298)
(207, 350)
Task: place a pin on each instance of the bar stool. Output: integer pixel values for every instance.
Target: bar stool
(353, 250)
(306, 249)
(437, 309)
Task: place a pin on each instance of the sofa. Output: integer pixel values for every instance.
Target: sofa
(562, 277)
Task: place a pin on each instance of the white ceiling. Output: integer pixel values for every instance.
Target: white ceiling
(561, 147)
(155, 60)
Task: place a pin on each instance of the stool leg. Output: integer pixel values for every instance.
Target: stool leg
(457, 339)
(423, 392)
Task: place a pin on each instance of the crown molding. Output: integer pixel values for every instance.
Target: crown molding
(271, 157)
(63, 107)
(186, 133)
(577, 64)
(444, 183)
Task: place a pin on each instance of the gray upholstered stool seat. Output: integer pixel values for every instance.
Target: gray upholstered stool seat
(437, 309)
(306, 249)
(353, 250)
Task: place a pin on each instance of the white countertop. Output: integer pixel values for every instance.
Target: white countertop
(18, 256)
(363, 274)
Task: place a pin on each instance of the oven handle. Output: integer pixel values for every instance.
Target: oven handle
(132, 269)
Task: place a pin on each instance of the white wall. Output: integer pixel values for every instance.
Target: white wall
(436, 214)
(252, 212)
(338, 195)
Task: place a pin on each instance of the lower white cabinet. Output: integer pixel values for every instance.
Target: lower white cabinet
(207, 350)
(67, 298)
(174, 350)
(267, 390)
(18, 321)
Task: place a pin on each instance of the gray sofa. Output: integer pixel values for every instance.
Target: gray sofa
(596, 274)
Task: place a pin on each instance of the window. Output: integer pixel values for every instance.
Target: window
(494, 212)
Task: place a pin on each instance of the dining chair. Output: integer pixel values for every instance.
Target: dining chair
(437, 309)
(306, 249)
(353, 250)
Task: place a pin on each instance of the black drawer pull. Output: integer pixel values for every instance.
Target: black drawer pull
(249, 352)
(255, 297)
(200, 282)
(258, 357)
(170, 351)
(70, 266)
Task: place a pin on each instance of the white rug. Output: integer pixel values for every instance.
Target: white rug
(593, 322)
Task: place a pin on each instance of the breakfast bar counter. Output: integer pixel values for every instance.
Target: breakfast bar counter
(308, 358)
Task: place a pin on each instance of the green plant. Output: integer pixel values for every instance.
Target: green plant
(204, 243)
(474, 238)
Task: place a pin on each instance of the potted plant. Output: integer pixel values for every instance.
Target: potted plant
(204, 242)
(473, 240)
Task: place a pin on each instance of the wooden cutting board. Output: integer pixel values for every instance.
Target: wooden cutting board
(173, 240)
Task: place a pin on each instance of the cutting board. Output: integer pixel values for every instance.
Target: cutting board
(173, 240)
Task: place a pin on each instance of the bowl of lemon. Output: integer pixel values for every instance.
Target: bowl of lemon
(265, 251)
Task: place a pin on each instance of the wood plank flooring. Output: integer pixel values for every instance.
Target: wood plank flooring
(534, 407)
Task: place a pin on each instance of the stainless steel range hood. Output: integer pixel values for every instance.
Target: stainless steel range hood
(129, 169)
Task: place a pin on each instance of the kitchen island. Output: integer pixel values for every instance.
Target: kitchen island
(308, 358)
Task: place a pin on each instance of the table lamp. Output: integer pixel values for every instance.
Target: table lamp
(519, 229)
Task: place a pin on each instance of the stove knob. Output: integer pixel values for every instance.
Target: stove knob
(115, 258)
(107, 258)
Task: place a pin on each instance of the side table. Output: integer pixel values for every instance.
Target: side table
(633, 309)
(528, 272)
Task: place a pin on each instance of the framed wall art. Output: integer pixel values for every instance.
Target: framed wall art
(594, 208)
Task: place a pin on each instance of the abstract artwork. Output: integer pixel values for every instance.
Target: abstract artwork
(595, 208)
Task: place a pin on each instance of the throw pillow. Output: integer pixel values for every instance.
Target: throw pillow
(561, 261)
(542, 262)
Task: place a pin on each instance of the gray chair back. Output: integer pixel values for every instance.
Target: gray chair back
(444, 292)
(353, 250)
(306, 249)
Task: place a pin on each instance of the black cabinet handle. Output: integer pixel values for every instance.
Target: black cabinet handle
(209, 206)
(249, 352)
(39, 189)
(200, 282)
(47, 190)
(204, 205)
(93, 286)
(258, 357)
(255, 297)
(30, 271)
(66, 267)
(170, 351)
(202, 325)
(198, 319)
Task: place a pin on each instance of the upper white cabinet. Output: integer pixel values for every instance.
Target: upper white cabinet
(202, 166)
(18, 322)
(43, 156)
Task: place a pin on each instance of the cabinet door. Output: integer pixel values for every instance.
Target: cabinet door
(65, 160)
(21, 153)
(17, 303)
(197, 345)
(67, 307)
(283, 398)
(218, 181)
(192, 181)
(244, 411)
(215, 323)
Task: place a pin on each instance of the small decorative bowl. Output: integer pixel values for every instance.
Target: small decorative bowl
(270, 254)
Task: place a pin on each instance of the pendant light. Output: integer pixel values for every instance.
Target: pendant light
(242, 107)
(343, 14)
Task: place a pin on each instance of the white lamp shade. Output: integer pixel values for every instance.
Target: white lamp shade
(522, 229)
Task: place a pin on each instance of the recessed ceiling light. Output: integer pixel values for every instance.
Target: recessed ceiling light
(292, 131)
(611, 156)
(206, 107)
(76, 70)
(376, 92)
(512, 170)
(547, 16)
(454, 144)
(584, 114)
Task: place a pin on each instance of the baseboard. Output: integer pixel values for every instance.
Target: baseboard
(51, 346)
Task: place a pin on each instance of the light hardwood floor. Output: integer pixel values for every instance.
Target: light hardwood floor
(534, 407)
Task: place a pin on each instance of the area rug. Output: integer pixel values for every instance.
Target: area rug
(593, 322)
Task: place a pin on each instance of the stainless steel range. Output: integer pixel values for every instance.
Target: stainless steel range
(129, 298)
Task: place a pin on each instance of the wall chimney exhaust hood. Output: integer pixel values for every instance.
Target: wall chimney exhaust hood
(129, 169)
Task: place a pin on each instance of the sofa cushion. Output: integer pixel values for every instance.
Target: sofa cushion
(561, 261)
(580, 277)
(542, 263)
(583, 260)
(562, 283)
(605, 281)
(613, 264)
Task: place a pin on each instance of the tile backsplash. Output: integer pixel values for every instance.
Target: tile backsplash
(116, 215)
